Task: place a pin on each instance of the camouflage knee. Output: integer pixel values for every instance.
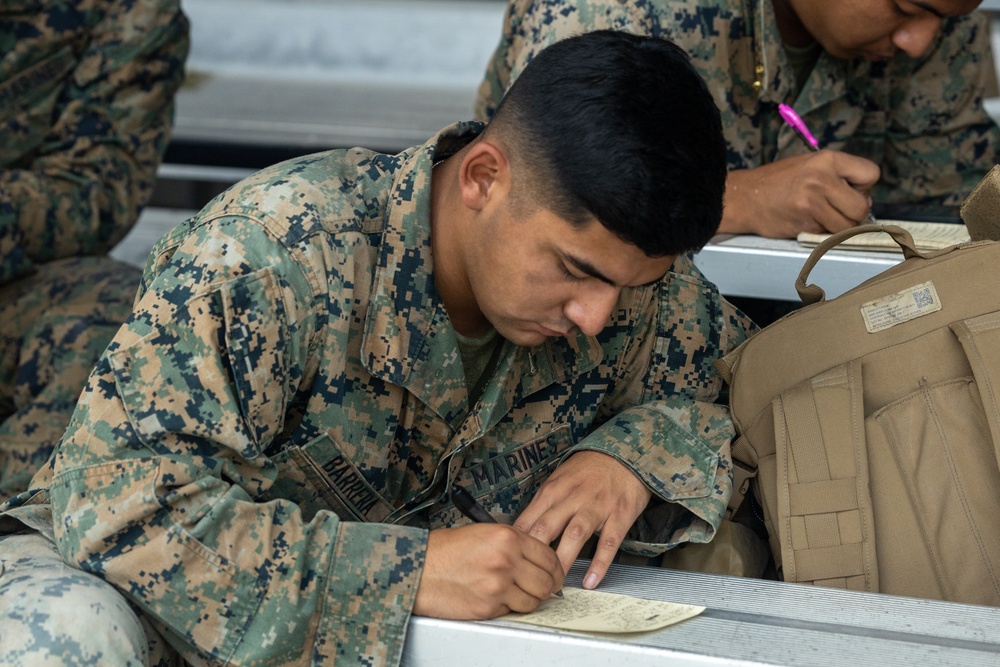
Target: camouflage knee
(53, 614)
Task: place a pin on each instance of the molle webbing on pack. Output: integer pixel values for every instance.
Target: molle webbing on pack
(823, 501)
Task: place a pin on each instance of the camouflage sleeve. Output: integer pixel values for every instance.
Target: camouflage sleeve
(676, 437)
(940, 140)
(91, 128)
(162, 483)
(531, 25)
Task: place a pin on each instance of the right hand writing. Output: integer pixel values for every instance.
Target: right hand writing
(483, 571)
(826, 191)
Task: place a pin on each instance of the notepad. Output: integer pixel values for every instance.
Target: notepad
(926, 236)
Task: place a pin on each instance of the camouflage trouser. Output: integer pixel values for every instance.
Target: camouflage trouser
(54, 325)
(53, 614)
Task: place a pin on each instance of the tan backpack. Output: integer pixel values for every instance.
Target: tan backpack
(869, 426)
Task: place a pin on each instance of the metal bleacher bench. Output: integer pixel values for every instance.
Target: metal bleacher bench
(746, 622)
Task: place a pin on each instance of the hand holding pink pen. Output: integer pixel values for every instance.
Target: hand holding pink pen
(815, 191)
(795, 121)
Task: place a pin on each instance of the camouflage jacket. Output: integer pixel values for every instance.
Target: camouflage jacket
(921, 120)
(86, 102)
(260, 452)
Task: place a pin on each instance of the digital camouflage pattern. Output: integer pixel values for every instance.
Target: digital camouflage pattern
(53, 328)
(86, 102)
(41, 598)
(258, 455)
(921, 120)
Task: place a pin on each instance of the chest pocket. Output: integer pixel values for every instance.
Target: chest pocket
(28, 103)
(868, 139)
(505, 481)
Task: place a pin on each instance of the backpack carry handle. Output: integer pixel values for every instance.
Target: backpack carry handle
(814, 293)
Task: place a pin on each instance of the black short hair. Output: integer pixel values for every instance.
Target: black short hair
(621, 128)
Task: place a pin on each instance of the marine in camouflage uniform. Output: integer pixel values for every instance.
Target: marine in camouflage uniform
(920, 119)
(260, 453)
(260, 460)
(86, 102)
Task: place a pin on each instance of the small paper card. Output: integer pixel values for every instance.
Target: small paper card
(597, 611)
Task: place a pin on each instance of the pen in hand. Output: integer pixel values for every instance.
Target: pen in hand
(795, 122)
(467, 505)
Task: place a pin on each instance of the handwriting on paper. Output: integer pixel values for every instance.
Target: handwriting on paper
(597, 611)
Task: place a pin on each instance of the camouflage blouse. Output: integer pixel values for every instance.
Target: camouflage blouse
(260, 452)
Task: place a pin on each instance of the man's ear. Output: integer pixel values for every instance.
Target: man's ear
(484, 174)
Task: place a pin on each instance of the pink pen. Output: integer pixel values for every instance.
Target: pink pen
(793, 119)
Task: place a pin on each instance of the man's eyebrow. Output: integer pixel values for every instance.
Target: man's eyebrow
(589, 269)
(928, 8)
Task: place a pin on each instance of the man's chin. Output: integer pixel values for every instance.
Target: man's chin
(526, 339)
(523, 337)
(877, 57)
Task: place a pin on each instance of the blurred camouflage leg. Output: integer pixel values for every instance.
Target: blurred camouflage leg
(53, 614)
(54, 325)
(160, 653)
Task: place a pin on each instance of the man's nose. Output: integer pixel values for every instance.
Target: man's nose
(914, 37)
(590, 311)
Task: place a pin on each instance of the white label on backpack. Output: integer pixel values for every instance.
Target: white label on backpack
(903, 306)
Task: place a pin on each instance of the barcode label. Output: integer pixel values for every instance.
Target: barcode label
(903, 306)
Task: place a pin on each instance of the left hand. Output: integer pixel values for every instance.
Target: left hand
(589, 492)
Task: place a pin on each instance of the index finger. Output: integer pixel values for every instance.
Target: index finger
(848, 208)
(544, 518)
(541, 556)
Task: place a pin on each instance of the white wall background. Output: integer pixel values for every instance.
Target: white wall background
(443, 42)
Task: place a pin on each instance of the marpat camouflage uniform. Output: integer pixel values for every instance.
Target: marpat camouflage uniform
(259, 454)
(66, 314)
(86, 102)
(31, 569)
(921, 120)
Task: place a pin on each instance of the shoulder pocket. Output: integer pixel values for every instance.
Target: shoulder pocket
(217, 370)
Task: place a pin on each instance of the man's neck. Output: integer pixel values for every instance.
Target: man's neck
(448, 218)
(793, 32)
